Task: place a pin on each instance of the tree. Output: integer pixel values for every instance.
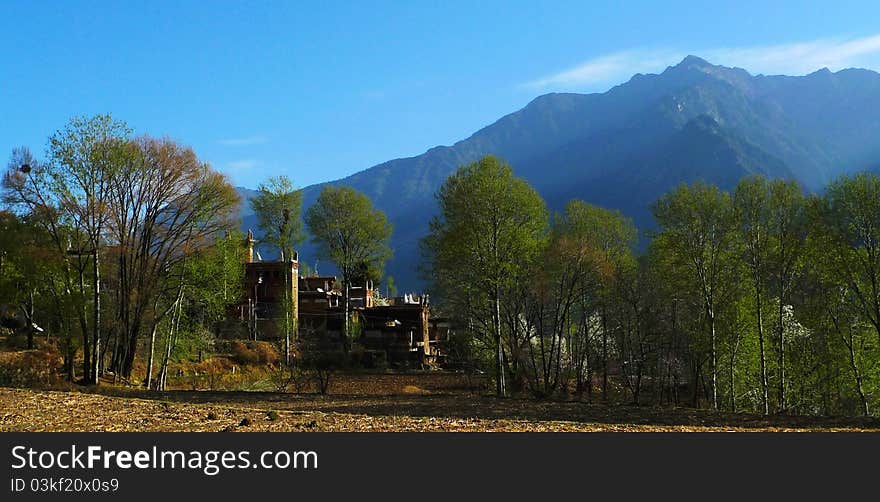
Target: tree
(69, 195)
(850, 216)
(390, 287)
(26, 266)
(133, 208)
(751, 203)
(277, 208)
(489, 230)
(354, 235)
(212, 276)
(598, 244)
(695, 229)
(166, 204)
(788, 233)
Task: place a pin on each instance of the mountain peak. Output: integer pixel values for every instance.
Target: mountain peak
(622, 149)
(694, 62)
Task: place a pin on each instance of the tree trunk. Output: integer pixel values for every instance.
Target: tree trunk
(288, 302)
(714, 386)
(149, 378)
(347, 325)
(763, 355)
(733, 375)
(87, 354)
(500, 384)
(70, 354)
(781, 328)
(604, 355)
(857, 374)
(96, 334)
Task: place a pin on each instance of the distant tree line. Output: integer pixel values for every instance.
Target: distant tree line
(764, 299)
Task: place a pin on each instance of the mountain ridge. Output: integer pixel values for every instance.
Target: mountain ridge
(624, 147)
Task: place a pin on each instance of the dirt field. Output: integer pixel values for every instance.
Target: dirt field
(434, 405)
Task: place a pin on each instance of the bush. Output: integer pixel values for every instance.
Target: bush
(244, 355)
(322, 365)
(32, 368)
(266, 352)
(254, 352)
(15, 340)
(214, 372)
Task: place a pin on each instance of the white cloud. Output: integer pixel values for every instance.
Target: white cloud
(790, 59)
(803, 57)
(605, 69)
(246, 141)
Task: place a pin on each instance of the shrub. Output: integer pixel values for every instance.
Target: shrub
(214, 372)
(254, 352)
(244, 355)
(322, 365)
(16, 340)
(266, 352)
(31, 368)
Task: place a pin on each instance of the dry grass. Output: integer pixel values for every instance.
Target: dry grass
(411, 410)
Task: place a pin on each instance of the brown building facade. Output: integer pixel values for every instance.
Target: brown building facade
(396, 330)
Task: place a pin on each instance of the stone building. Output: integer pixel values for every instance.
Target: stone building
(397, 331)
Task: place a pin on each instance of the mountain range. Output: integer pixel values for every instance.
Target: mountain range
(624, 148)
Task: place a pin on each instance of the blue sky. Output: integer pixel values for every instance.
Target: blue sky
(318, 91)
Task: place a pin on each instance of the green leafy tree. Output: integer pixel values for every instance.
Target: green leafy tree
(210, 280)
(490, 229)
(27, 268)
(602, 242)
(352, 234)
(789, 226)
(850, 215)
(70, 194)
(278, 207)
(696, 224)
(751, 201)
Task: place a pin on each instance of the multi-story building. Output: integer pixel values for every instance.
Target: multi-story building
(277, 298)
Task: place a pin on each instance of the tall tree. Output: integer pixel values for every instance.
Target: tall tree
(166, 204)
(606, 239)
(85, 158)
(278, 209)
(71, 191)
(696, 230)
(751, 203)
(849, 215)
(353, 234)
(27, 265)
(788, 233)
(490, 228)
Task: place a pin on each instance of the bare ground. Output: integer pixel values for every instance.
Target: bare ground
(413, 409)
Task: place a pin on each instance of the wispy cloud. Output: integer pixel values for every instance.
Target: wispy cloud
(604, 69)
(245, 141)
(803, 57)
(790, 59)
(242, 165)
